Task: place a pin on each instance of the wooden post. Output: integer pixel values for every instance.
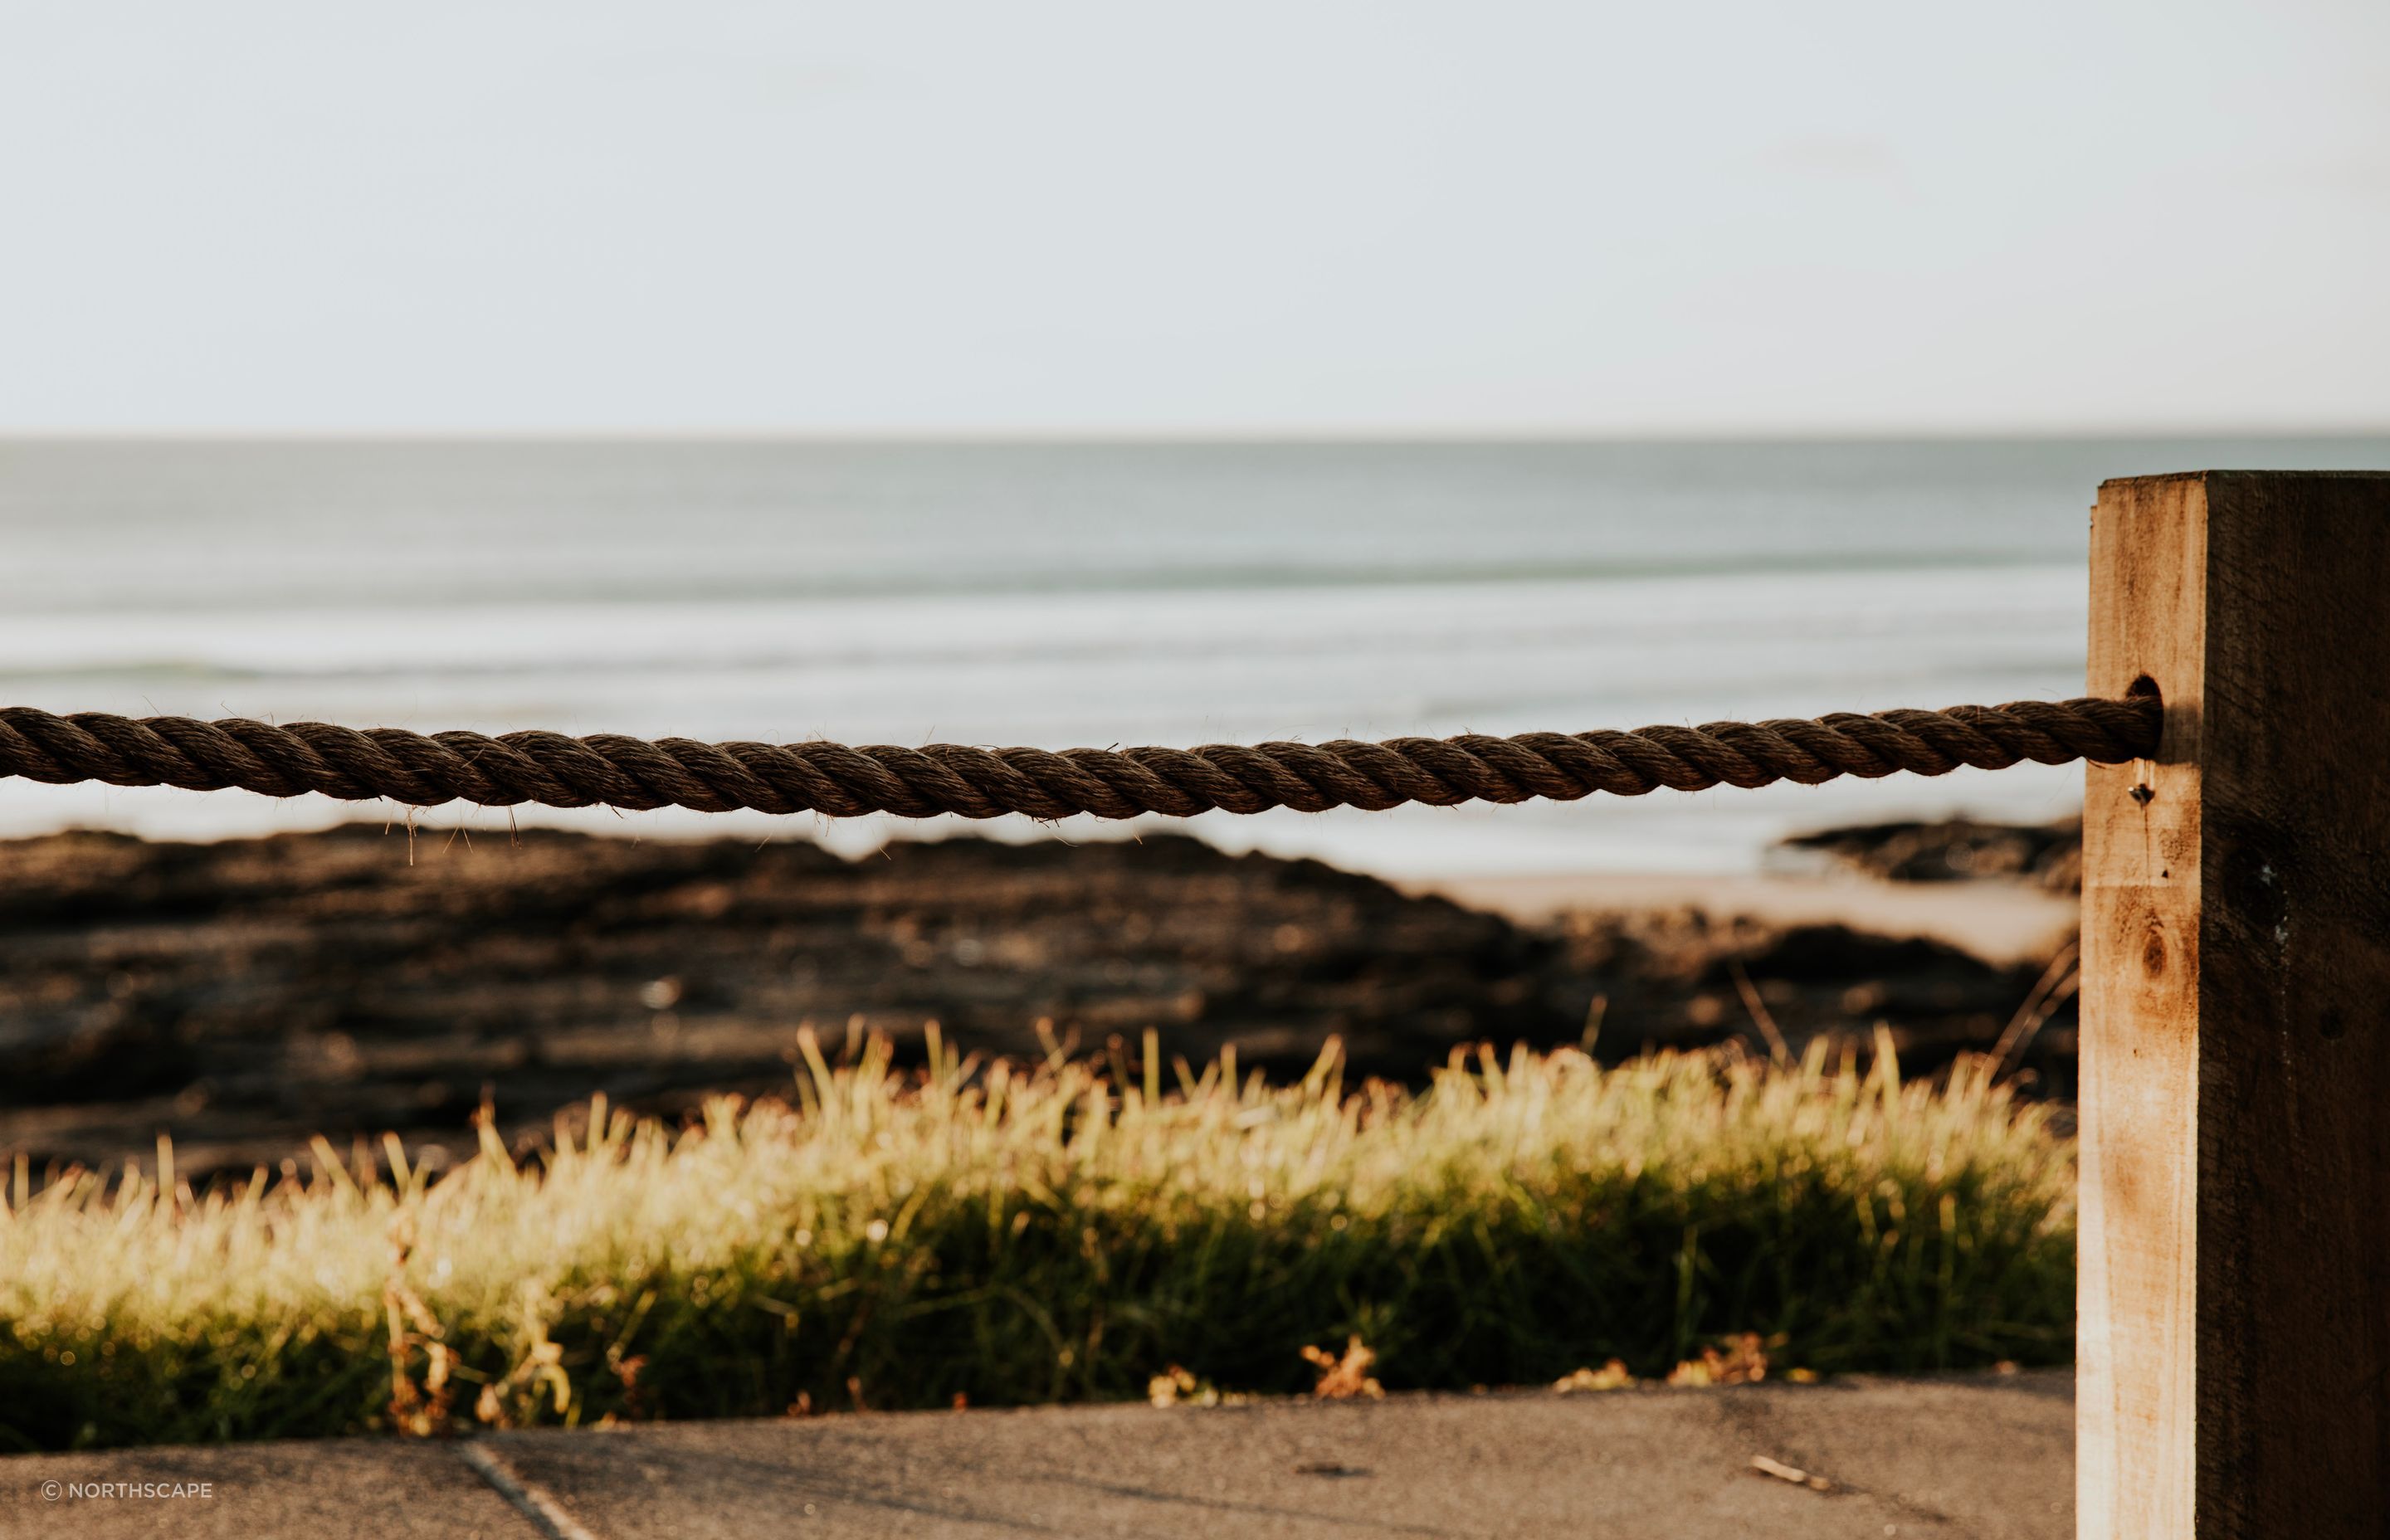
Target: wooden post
(2233, 1369)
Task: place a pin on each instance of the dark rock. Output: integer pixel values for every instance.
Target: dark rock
(245, 995)
(1958, 850)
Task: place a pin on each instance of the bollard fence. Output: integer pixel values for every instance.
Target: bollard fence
(2235, 1285)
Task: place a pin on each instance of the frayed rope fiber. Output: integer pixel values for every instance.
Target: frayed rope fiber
(840, 781)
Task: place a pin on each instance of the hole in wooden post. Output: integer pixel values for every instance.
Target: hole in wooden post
(2143, 688)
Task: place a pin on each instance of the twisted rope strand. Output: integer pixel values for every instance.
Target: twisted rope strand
(838, 781)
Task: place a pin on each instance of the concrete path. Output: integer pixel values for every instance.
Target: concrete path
(1972, 1456)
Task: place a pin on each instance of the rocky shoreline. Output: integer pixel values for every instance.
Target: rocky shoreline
(245, 995)
(1958, 850)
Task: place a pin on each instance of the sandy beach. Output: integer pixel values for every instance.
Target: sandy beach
(1998, 920)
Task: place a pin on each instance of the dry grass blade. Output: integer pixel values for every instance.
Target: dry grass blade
(1778, 1049)
(2057, 985)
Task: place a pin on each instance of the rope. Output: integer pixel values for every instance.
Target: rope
(834, 779)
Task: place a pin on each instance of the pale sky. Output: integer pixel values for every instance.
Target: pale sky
(1255, 218)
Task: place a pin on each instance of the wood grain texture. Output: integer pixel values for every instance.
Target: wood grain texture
(2136, 1292)
(2234, 1293)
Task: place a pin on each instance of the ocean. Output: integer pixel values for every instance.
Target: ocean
(1065, 593)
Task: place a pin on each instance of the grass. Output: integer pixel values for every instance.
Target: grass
(1060, 1231)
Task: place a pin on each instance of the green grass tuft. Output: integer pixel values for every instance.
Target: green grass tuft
(1013, 1235)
